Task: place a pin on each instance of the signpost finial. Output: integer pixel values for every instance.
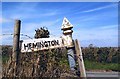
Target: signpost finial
(67, 32)
(66, 24)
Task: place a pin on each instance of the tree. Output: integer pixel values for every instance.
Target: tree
(42, 55)
(91, 46)
(42, 33)
(48, 60)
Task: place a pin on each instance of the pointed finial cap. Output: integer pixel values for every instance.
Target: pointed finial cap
(66, 25)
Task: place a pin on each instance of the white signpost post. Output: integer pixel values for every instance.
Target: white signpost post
(68, 41)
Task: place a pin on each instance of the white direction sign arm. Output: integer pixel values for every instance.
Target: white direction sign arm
(41, 44)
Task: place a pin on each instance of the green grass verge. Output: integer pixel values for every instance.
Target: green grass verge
(92, 65)
(4, 59)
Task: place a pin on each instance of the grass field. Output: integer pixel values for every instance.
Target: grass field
(91, 65)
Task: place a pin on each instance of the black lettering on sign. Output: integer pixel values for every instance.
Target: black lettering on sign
(25, 46)
(57, 42)
(38, 45)
(52, 43)
(34, 45)
(29, 46)
(41, 44)
(46, 44)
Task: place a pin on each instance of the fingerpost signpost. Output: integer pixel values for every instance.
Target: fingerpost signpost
(65, 40)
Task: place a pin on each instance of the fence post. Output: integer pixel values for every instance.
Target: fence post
(68, 42)
(16, 39)
(80, 59)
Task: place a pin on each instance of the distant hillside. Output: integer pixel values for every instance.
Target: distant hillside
(101, 54)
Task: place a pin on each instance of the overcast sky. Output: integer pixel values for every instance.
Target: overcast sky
(93, 22)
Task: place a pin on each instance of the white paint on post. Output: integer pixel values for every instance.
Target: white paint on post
(68, 42)
(41, 44)
(67, 33)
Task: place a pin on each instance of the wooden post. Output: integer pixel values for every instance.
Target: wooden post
(80, 59)
(16, 39)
